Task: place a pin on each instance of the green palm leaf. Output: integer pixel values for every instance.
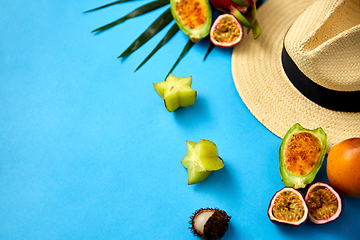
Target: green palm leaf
(137, 12)
(107, 5)
(174, 29)
(187, 47)
(211, 47)
(163, 20)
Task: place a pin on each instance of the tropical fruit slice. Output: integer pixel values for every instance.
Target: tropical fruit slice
(201, 159)
(288, 207)
(176, 92)
(226, 31)
(301, 155)
(324, 203)
(243, 10)
(193, 17)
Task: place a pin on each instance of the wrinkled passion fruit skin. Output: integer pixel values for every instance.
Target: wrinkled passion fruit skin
(324, 203)
(288, 207)
(193, 17)
(226, 31)
(301, 155)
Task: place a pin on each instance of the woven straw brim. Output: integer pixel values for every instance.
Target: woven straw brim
(264, 87)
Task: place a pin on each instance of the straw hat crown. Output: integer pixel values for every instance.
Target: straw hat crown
(324, 43)
(304, 68)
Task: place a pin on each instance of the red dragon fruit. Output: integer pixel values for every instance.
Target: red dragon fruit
(243, 10)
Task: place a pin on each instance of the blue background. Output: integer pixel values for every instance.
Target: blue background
(88, 150)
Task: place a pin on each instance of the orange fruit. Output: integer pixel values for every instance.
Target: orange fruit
(343, 167)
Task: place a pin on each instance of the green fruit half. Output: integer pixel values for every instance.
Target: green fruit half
(301, 155)
(176, 92)
(201, 159)
(193, 17)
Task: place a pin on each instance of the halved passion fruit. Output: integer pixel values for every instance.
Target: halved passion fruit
(301, 155)
(226, 31)
(323, 202)
(288, 206)
(193, 17)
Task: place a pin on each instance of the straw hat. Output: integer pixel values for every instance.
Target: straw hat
(304, 68)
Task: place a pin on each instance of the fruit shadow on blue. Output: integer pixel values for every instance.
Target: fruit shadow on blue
(333, 228)
(221, 186)
(193, 116)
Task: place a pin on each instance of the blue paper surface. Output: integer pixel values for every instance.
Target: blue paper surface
(88, 150)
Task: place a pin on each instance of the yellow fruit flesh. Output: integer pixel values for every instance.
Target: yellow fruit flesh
(227, 31)
(322, 204)
(302, 153)
(191, 13)
(288, 206)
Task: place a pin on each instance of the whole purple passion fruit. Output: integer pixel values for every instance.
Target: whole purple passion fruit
(323, 202)
(288, 207)
(226, 31)
(209, 223)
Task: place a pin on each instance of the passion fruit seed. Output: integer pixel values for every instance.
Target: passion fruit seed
(288, 207)
(191, 13)
(322, 204)
(227, 30)
(302, 153)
